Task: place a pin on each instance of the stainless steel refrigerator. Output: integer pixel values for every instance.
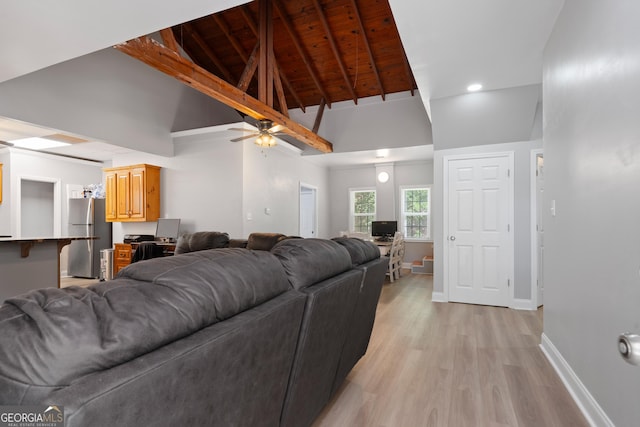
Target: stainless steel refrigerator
(86, 218)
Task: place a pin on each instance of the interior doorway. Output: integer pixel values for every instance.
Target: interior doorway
(38, 207)
(308, 211)
(478, 215)
(537, 232)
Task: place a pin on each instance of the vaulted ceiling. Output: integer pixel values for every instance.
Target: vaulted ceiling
(325, 51)
(449, 44)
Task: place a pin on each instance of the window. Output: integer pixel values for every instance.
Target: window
(362, 210)
(415, 212)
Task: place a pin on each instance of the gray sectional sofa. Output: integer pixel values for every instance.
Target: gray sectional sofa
(228, 337)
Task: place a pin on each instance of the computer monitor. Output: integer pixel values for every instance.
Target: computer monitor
(384, 229)
(167, 229)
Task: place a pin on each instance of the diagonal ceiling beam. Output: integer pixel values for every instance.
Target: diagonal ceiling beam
(169, 39)
(286, 20)
(207, 50)
(249, 69)
(169, 62)
(334, 47)
(363, 32)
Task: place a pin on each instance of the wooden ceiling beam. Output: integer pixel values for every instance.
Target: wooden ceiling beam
(316, 123)
(169, 39)
(265, 65)
(246, 14)
(363, 32)
(207, 51)
(286, 21)
(169, 62)
(334, 47)
(277, 83)
(249, 69)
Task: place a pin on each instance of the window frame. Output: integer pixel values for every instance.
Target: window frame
(403, 214)
(353, 214)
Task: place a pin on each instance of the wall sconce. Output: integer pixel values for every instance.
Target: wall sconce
(383, 177)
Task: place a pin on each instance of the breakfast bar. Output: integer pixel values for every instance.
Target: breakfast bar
(30, 263)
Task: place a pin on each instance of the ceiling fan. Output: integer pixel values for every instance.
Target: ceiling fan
(264, 134)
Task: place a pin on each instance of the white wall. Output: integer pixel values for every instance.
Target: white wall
(211, 183)
(591, 81)
(487, 117)
(48, 168)
(201, 185)
(522, 212)
(372, 124)
(271, 190)
(387, 199)
(5, 211)
(111, 97)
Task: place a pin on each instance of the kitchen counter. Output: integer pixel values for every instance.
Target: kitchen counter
(31, 263)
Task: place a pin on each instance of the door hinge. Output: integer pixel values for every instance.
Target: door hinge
(508, 172)
(508, 283)
(508, 227)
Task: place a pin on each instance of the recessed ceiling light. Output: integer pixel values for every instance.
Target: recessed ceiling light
(474, 87)
(37, 143)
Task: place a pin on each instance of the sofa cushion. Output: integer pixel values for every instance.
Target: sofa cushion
(52, 336)
(309, 261)
(360, 251)
(201, 240)
(264, 241)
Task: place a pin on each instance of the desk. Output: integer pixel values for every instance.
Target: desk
(384, 247)
(124, 251)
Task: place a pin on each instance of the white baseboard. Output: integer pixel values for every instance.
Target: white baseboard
(590, 408)
(523, 304)
(438, 297)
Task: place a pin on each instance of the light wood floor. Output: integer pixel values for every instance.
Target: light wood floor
(437, 364)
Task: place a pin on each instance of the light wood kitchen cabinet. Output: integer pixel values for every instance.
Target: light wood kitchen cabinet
(132, 193)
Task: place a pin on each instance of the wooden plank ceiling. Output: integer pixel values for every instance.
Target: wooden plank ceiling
(335, 50)
(286, 54)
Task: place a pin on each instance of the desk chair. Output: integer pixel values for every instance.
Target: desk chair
(147, 250)
(396, 254)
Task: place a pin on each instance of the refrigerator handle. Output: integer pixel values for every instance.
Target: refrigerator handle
(89, 219)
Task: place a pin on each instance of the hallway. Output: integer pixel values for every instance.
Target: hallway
(439, 364)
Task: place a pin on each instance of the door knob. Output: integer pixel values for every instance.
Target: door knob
(452, 238)
(629, 347)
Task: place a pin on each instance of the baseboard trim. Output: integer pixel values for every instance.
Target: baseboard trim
(590, 408)
(438, 297)
(523, 304)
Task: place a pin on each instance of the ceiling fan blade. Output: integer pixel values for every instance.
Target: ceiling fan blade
(276, 129)
(243, 137)
(242, 130)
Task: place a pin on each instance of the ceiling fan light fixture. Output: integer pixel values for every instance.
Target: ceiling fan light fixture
(265, 139)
